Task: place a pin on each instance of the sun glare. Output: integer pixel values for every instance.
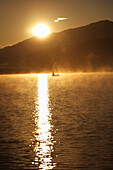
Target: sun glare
(43, 147)
(41, 30)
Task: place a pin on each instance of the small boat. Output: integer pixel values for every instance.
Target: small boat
(53, 74)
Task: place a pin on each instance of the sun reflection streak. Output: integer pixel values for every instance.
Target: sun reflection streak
(43, 132)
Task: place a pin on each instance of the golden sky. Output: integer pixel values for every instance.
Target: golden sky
(18, 17)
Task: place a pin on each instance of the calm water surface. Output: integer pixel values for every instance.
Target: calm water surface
(60, 123)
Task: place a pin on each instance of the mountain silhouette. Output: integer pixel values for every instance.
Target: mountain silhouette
(88, 48)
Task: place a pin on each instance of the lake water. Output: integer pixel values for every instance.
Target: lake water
(62, 123)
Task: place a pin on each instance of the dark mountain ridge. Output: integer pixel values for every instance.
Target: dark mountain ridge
(96, 30)
(87, 48)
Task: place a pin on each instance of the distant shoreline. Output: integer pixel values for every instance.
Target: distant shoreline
(96, 72)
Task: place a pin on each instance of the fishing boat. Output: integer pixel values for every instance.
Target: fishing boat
(53, 74)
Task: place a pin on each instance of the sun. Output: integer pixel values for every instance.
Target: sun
(41, 30)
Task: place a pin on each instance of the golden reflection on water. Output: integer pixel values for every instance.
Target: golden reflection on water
(43, 133)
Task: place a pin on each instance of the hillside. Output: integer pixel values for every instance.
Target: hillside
(87, 48)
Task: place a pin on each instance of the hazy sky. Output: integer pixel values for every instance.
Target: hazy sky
(18, 17)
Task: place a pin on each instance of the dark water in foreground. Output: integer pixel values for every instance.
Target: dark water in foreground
(61, 123)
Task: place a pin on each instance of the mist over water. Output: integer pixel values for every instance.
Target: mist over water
(63, 122)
